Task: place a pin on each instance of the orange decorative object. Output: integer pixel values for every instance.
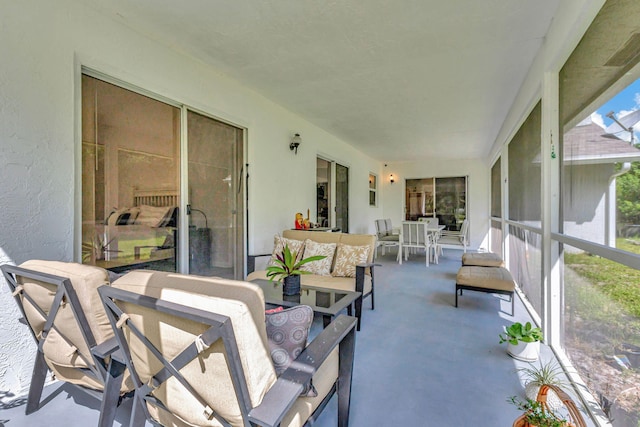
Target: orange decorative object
(575, 418)
(299, 223)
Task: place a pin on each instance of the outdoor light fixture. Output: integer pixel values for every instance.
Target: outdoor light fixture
(295, 143)
(391, 180)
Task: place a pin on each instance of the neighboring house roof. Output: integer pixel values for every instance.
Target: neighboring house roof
(587, 143)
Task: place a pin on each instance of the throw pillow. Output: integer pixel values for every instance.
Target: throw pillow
(279, 244)
(323, 266)
(287, 331)
(347, 257)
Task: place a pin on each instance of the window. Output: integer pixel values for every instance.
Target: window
(601, 189)
(525, 174)
(600, 244)
(373, 189)
(525, 185)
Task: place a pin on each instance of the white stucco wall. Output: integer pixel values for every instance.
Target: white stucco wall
(479, 185)
(42, 46)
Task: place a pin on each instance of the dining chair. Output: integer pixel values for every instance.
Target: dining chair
(414, 235)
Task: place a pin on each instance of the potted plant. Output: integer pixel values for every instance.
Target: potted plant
(536, 414)
(523, 341)
(287, 270)
(544, 374)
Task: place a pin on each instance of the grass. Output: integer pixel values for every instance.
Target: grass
(618, 282)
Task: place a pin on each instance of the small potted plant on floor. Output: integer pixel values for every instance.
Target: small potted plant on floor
(523, 341)
(287, 270)
(545, 374)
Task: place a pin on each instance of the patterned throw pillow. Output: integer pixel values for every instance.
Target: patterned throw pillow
(278, 246)
(347, 257)
(287, 331)
(323, 266)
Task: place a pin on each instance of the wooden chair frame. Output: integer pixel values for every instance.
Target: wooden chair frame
(277, 401)
(103, 367)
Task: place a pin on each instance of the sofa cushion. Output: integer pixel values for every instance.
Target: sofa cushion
(338, 283)
(321, 267)
(482, 259)
(347, 257)
(329, 282)
(279, 243)
(497, 278)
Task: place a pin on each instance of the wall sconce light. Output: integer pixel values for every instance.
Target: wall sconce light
(295, 143)
(391, 180)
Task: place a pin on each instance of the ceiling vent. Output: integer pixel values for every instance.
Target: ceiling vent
(627, 53)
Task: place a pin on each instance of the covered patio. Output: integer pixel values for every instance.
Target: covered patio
(419, 360)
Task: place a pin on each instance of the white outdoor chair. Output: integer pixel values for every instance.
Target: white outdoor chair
(385, 236)
(430, 220)
(456, 238)
(414, 235)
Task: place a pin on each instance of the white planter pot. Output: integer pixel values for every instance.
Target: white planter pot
(525, 351)
(554, 402)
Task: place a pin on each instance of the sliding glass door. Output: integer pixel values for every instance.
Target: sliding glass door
(442, 198)
(332, 191)
(342, 198)
(215, 199)
(130, 178)
(131, 182)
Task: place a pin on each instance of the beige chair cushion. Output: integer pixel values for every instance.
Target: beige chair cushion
(65, 338)
(153, 283)
(323, 380)
(65, 350)
(486, 259)
(302, 408)
(207, 374)
(347, 257)
(486, 277)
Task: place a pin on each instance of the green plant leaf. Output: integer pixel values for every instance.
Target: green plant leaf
(518, 332)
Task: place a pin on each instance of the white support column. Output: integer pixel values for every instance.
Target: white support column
(183, 226)
(504, 182)
(551, 138)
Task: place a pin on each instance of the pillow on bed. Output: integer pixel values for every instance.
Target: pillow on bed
(123, 216)
(153, 216)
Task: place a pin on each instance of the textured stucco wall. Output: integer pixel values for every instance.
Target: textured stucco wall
(15, 372)
(42, 46)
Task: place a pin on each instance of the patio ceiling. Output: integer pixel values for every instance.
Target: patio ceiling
(399, 80)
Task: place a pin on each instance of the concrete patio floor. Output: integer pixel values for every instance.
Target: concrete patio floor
(419, 360)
